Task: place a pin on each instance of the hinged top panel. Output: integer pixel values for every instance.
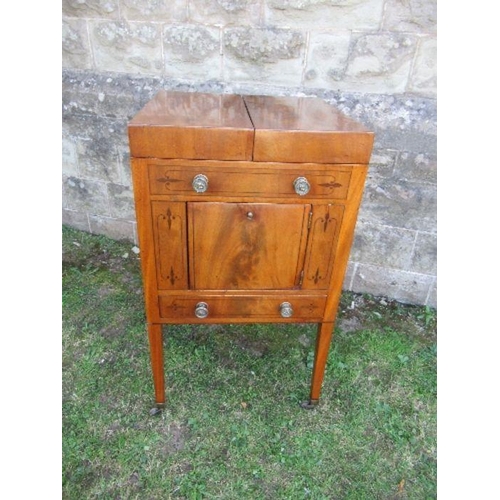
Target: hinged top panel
(306, 129)
(192, 126)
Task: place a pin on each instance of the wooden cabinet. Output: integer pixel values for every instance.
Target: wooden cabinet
(246, 208)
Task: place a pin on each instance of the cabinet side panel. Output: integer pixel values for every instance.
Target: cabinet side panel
(169, 230)
(145, 235)
(345, 239)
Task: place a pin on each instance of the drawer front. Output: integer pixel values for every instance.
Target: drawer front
(206, 308)
(238, 181)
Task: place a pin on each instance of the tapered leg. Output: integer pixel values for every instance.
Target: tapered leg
(323, 340)
(156, 353)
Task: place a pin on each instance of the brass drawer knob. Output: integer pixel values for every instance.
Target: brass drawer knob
(286, 310)
(201, 310)
(200, 183)
(301, 186)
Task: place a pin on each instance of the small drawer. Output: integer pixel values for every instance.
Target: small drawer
(199, 308)
(245, 181)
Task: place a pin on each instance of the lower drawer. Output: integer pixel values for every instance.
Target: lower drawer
(217, 308)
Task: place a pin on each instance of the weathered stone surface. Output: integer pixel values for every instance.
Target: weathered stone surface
(416, 167)
(69, 158)
(383, 246)
(349, 275)
(192, 51)
(331, 14)
(378, 62)
(121, 202)
(91, 8)
(127, 47)
(113, 228)
(326, 59)
(271, 55)
(417, 16)
(432, 297)
(96, 141)
(424, 258)
(78, 220)
(382, 163)
(154, 10)
(75, 44)
(400, 204)
(411, 288)
(83, 195)
(399, 122)
(423, 78)
(224, 12)
(99, 103)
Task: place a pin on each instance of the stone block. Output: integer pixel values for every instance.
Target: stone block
(127, 46)
(432, 296)
(154, 10)
(69, 158)
(97, 148)
(416, 167)
(75, 44)
(400, 122)
(271, 55)
(326, 59)
(192, 51)
(383, 246)
(414, 16)
(225, 12)
(112, 228)
(121, 202)
(99, 103)
(84, 195)
(424, 258)
(107, 9)
(382, 163)
(403, 204)
(410, 288)
(378, 62)
(78, 220)
(349, 275)
(423, 78)
(330, 14)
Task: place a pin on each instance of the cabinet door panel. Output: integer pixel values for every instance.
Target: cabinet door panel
(323, 237)
(169, 230)
(250, 246)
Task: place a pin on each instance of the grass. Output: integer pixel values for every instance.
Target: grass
(233, 428)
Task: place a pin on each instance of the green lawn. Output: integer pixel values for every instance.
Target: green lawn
(233, 428)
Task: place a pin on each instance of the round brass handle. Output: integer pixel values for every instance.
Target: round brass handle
(301, 186)
(200, 183)
(286, 310)
(201, 310)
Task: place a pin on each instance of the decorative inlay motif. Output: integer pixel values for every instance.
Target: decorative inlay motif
(167, 180)
(321, 250)
(170, 231)
(331, 185)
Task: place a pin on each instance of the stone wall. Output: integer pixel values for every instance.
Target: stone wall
(373, 59)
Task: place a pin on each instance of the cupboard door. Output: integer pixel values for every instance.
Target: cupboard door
(169, 232)
(235, 246)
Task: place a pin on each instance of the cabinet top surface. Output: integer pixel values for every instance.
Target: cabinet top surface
(298, 113)
(189, 109)
(196, 125)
